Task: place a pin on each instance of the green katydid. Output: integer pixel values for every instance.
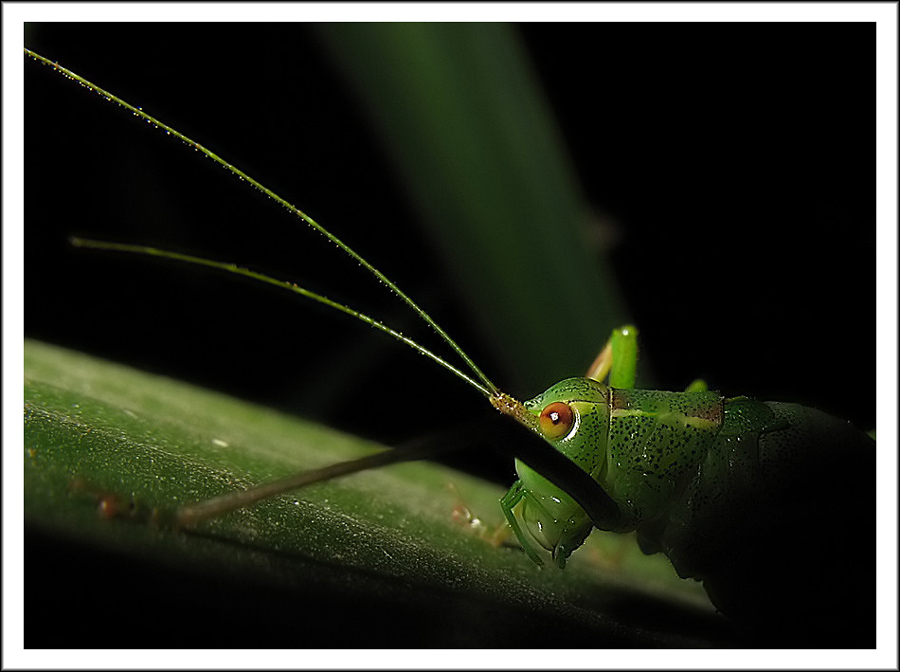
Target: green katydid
(748, 421)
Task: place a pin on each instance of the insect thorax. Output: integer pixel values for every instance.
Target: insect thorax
(656, 441)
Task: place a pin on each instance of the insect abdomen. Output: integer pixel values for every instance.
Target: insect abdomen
(778, 523)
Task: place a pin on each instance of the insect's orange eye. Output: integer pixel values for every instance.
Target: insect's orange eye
(557, 420)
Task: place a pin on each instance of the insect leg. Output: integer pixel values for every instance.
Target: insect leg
(618, 359)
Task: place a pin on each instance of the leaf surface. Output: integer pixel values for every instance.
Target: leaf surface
(381, 546)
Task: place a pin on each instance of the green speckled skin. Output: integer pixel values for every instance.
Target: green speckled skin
(738, 493)
(591, 400)
(653, 444)
(640, 445)
(764, 524)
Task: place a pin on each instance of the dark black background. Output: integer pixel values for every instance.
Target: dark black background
(734, 163)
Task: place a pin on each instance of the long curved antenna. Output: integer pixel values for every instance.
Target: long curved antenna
(192, 514)
(247, 273)
(278, 199)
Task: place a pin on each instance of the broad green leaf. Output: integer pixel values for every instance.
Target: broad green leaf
(381, 547)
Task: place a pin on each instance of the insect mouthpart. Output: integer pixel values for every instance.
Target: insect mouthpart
(549, 520)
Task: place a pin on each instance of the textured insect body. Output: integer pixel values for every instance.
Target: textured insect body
(637, 444)
(655, 439)
(736, 492)
(779, 525)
